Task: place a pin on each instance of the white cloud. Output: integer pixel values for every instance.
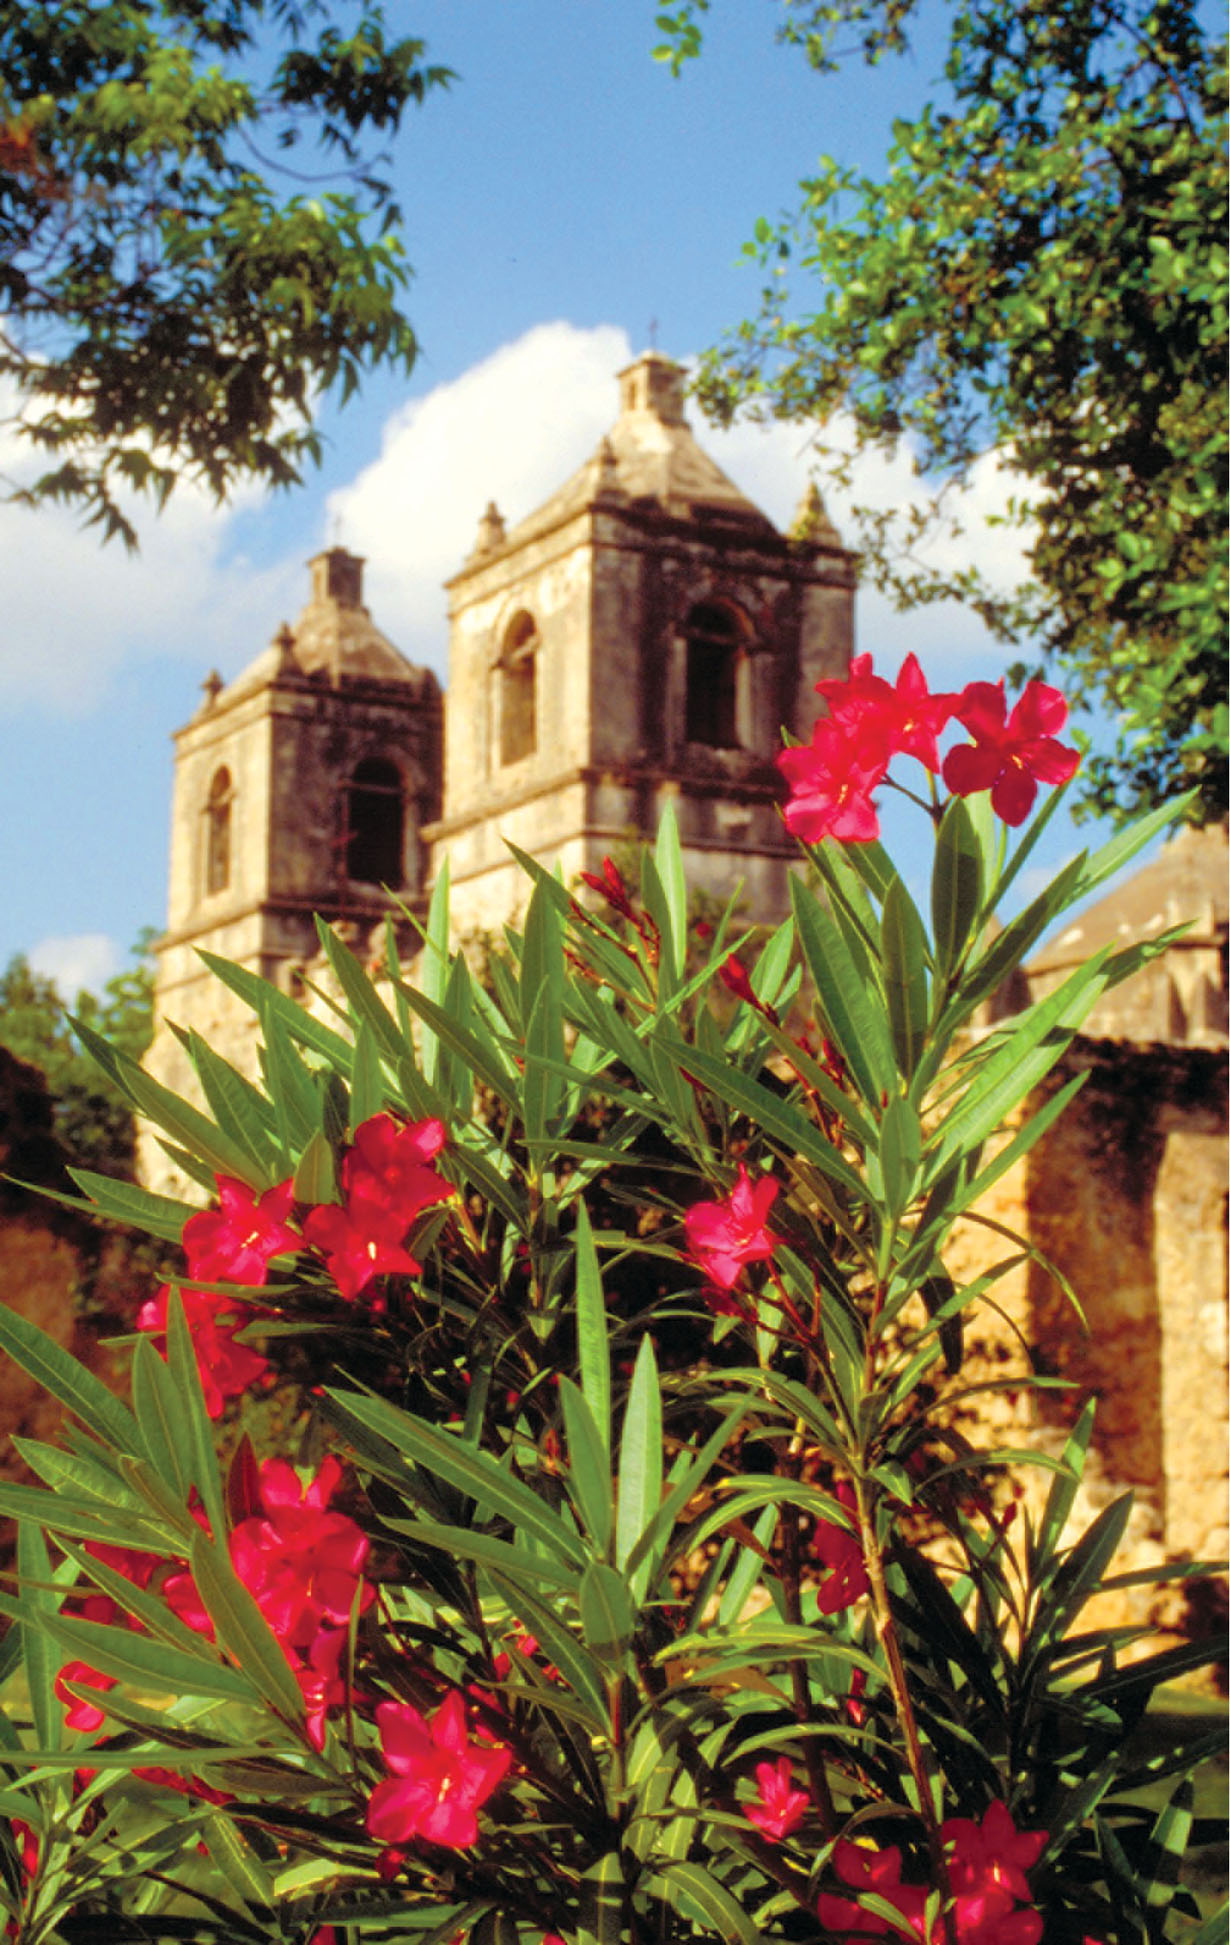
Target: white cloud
(86, 960)
(512, 428)
(76, 611)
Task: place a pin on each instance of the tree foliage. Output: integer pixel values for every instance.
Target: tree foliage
(174, 296)
(1040, 274)
(93, 1117)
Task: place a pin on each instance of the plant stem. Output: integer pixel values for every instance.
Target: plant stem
(886, 1629)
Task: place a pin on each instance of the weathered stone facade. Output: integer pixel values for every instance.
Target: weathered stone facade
(644, 636)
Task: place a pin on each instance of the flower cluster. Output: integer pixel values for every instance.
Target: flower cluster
(987, 1863)
(387, 1181)
(870, 721)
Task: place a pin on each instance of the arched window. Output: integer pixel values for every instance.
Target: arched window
(218, 831)
(375, 820)
(714, 655)
(517, 679)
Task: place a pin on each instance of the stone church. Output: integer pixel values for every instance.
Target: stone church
(643, 637)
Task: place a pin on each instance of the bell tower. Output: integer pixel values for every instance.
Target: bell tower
(300, 787)
(645, 635)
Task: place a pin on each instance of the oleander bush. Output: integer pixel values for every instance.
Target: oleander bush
(621, 1582)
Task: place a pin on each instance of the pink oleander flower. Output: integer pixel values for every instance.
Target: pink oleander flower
(781, 1808)
(320, 1679)
(301, 1563)
(358, 1242)
(906, 716)
(236, 1243)
(724, 1236)
(611, 886)
(986, 1869)
(388, 1167)
(440, 1778)
(734, 977)
(831, 780)
(227, 1368)
(1010, 754)
(841, 1552)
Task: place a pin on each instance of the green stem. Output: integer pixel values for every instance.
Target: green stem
(916, 1756)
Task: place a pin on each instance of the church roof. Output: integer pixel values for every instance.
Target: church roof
(649, 456)
(334, 637)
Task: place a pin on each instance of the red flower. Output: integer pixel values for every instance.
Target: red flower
(723, 1236)
(863, 1869)
(733, 975)
(236, 1243)
(831, 781)
(319, 1678)
(782, 1808)
(908, 716)
(227, 1367)
(359, 1242)
(440, 1778)
(836, 1548)
(388, 1167)
(986, 1870)
(301, 1563)
(1010, 757)
(611, 887)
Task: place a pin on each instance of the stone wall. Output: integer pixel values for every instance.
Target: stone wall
(1126, 1198)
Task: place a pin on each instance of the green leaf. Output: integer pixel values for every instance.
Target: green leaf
(956, 886)
(640, 1463)
(852, 1013)
(366, 1079)
(588, 1478)
(608, 1614)
(159, 1411)
(581, 1670)
(186, 1125)
(266, 999)
(697, 1896)
(67, 1379)
(199, 1449)
(157, 1215)
(361, 996)
(900, 1154)
(602, 1902)
(668, 857)
(433, 968)
(474, 1473)
(593, 1350)
(243, 1631)
(41, 1662)
(316, 1174)
(905, 975)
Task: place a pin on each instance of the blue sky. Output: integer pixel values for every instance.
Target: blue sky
(564, 200)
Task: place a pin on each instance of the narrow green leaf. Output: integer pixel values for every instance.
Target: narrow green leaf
(41, 1660)
(580, 1669)
(668, 857)
(258, 993)
(316, 1174)
(593, 1348)
(852, 1014)
(433, 968)
(697, 1895)
(67, 1379)
(240, 1109)
(589, 1468)
(956, 886)
(602, 1902)
(905, 975)
(474, 1473)
(608, 1614)
(243, 1631)
(900, 1154)
(157, 1215)
(366, 1078)
(186, 1125)
(200, 1452)
(159, 1411)
(640, 1462)
(361, 996)
(148, 1665)
(747, 1570)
